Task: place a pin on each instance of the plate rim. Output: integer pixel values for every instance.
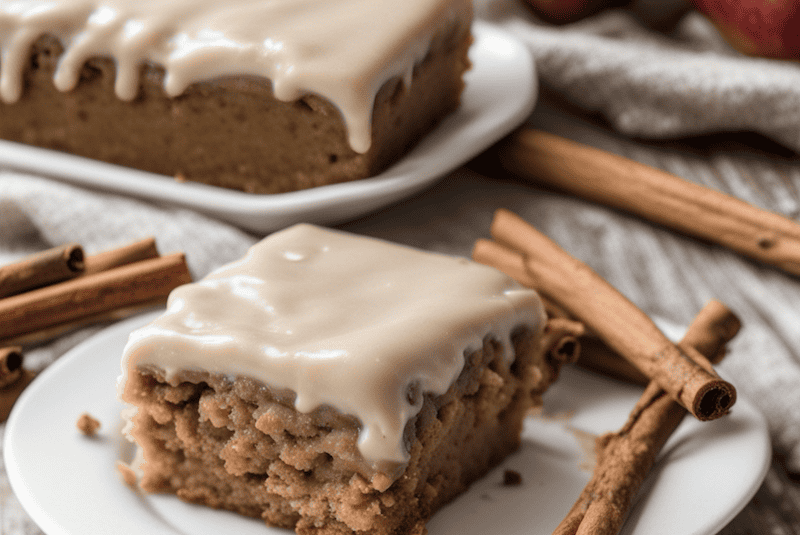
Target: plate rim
(51, 526)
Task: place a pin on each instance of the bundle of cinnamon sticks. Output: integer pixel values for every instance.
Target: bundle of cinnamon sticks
(61, 289)
(13, 378)
(680, 377)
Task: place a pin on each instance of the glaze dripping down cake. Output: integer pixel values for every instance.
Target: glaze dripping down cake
(334, 383)
(264, 97)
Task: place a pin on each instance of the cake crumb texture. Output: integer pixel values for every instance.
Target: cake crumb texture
(87, 424)
(238, 445)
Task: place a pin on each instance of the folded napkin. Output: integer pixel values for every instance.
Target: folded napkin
(655, 85)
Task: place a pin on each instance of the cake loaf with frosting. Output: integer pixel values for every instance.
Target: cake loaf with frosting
(263, 96)
(333, 383)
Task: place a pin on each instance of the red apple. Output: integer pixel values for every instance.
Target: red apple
(563, 11)
(769, 28)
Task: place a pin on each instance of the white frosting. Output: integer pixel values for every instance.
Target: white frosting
(341, 320)
(343, 50)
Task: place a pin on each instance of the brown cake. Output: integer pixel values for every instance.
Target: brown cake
(334, 384)
(263, 97)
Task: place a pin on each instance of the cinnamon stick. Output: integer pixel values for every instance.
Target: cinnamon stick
(117, 314)
(561, 336)
(625, 458)
(13, 378)
(655, 195)
(512, 264)
(621, 325)
(594, 354)
(83, 297)
(134, 252)
(597, 356)
(47, 267)
(10, 365)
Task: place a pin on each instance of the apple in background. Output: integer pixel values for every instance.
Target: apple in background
(564, 11)
(768, 28)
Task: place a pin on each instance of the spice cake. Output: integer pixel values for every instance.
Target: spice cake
(265, 97)
(334, 383)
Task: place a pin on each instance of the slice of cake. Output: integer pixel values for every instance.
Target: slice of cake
(333, 383)
(265, 97)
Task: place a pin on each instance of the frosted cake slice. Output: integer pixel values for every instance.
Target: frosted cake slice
(333, 383)
(263, 96)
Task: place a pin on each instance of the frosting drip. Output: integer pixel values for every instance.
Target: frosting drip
(342, 50)
(350, 322)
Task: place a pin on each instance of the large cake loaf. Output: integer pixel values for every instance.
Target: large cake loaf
(263, 96)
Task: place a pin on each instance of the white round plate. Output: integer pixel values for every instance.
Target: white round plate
(69, 485)
(501, 90)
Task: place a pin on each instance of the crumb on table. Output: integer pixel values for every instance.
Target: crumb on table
(87, 424)
(512, 478)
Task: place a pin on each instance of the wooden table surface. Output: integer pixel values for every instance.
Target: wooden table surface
(775, 509)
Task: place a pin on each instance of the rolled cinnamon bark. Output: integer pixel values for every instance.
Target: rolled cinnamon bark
(10, 365)
(597, 356)
(47, 267)
(84, 297)
(594, 354)
(625, 458)
(512, 263)
(49, 333)
(663, 198)
(13, 378)
(619, 323)
(562, 337)
(127, 254)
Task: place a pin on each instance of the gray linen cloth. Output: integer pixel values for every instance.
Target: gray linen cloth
(646, 84)
(655, 85)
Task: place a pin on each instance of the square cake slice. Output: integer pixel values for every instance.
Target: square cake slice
(333, 383)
